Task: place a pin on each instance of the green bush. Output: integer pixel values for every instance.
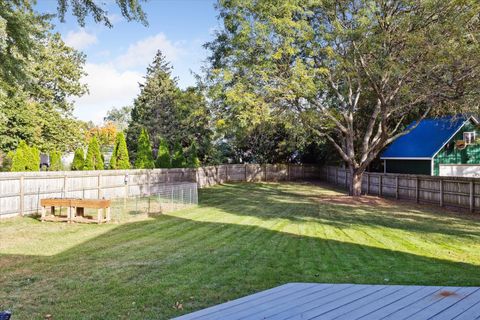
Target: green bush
(94, 160)
(120, 158)
(25, 158)
(78, 160)
(56, 161)
(178, 159)
(163, 156)
(144, 159)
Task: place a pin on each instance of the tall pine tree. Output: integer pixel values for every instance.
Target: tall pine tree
(120, 158)
(144, 158)
(94, 160)
(154, 108)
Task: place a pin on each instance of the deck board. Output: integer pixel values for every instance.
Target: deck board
(349, 301)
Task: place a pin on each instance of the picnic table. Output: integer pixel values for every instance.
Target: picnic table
(75, 209)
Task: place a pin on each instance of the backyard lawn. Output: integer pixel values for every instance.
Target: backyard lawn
(241, 239)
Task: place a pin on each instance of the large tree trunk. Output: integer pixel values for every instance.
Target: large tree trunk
(356, 176)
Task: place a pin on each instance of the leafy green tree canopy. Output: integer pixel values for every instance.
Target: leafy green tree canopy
(353, 72)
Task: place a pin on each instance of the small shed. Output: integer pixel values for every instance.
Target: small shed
(447, 146)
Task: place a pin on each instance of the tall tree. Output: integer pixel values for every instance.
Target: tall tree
(169, 113)
(78, 160)
(354, 72)
(94, 159)
(39, 109)
(154, 108)
(144, 159)
(119, 116)
(120, 159)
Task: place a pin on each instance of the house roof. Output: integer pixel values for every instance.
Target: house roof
(426, 139)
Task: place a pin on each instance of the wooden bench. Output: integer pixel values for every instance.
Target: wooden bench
(76, 209)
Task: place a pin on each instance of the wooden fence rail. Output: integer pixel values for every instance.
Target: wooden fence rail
(444, 191)
(20, 192)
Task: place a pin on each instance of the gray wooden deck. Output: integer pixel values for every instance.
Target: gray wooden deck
(349, 301)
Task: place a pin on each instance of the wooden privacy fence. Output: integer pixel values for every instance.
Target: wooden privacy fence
(444, 191)
(20, 192)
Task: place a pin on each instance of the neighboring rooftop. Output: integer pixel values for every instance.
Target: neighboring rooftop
(426, 139)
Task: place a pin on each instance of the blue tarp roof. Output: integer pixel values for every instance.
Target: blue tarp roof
(426, 139)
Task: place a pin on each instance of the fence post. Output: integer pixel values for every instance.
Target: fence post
(266, 175)
(397, 195)
(22, 195)
(380, 185)
(346, 178)
(65, 186)
(368, 182)
(149, 189)
(336, 175)
(441, 193)
(288, 172)
(99, 185)
(417, 190)
(472, 199)
(246, 175)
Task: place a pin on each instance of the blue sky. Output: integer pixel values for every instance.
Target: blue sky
(117, 57)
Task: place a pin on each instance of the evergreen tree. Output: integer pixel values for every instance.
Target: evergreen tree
(94, 160)
(144, 158)
(193, 161)
(55, 161)
(163, 156)
(25, 158)
(120, 158)
(178, 159)
(154, 108)
(78, 160)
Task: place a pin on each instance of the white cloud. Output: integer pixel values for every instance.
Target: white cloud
(108, 87)
(80, 39)
(141, 53)
(114, 83)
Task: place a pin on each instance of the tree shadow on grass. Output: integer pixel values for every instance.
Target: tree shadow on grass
(141, 270)
(329, 206)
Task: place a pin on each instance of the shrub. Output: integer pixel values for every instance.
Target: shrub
(78, 160)
(163, 156)
(119, 159)
(25, 158)
(94, 160)
(178, 159)
(193, 160)
(55, 161)
(144, 158)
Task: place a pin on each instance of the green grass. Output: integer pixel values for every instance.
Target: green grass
(241, 239)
